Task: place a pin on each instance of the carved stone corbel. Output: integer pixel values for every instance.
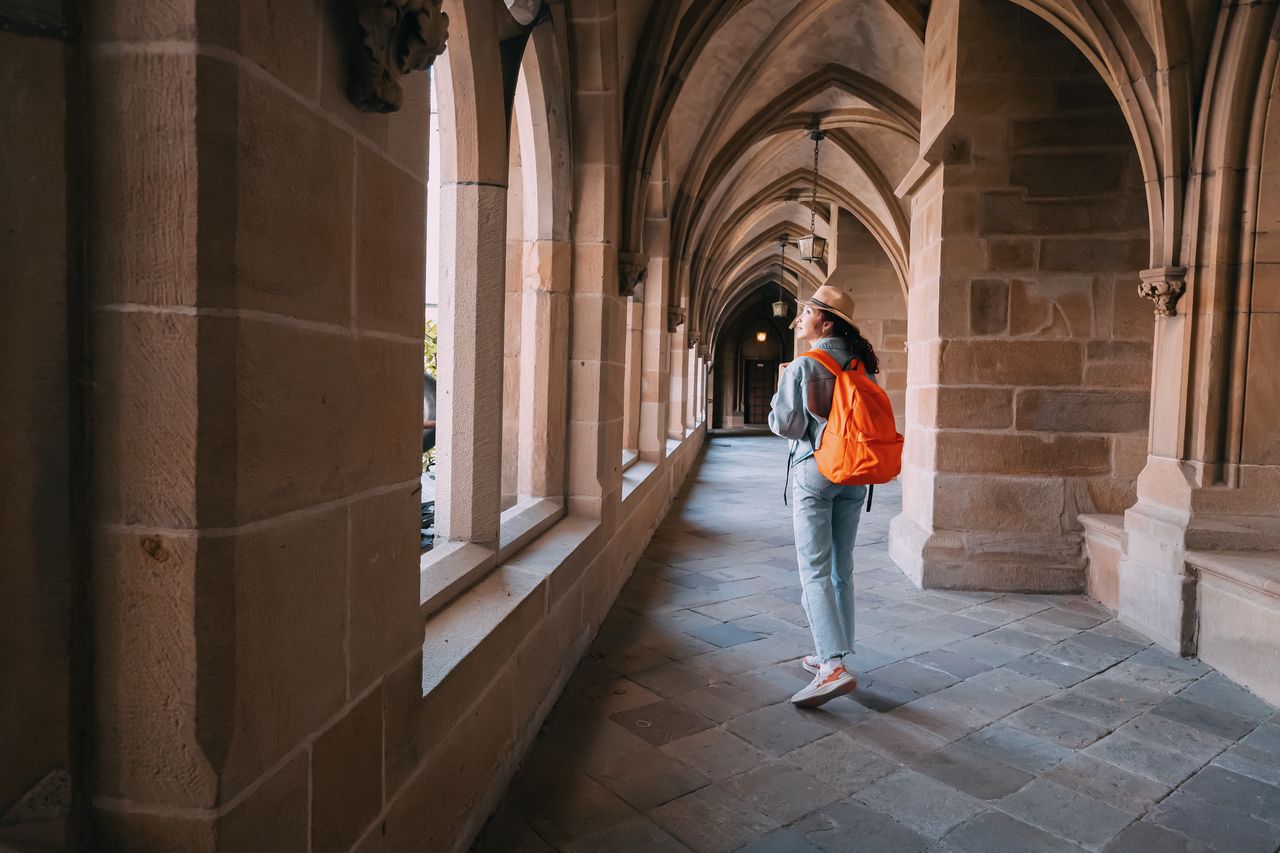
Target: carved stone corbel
(675, 319)
(633, 267)
(695, 338)
(394, 38)
(1164, 286)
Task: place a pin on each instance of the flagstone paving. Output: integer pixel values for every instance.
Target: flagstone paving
(983, 722)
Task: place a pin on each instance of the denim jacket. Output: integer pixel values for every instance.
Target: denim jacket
(800, 408)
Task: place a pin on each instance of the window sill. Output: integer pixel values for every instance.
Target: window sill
(635, 476)
(450, 568)
(629, 458)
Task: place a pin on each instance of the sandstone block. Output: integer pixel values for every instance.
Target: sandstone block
(404, 741)
(293, 211)
(346, 777)
(385, 621)
(1016, 453)
(407, 142)
(123, 20)
(145, 683)
(1014, 504)
(1069, 174)
(1006, 362)
(273, 819)
(1095, 255)
(145, 832)
(1262, 394)
(1117, 374)
(253, 29)
(967, 408)
(286, 603)
(1132, 317)
(386, 445)
(1005, 213)
(1111, 495)
(390, 252)
(1011, 255)
(296, 398)
(1082, 95)
(1129, 454)
(1065, 410)
(1072, 131)
(143, 180)
(988, 306)
(1051, 307)
(146, 414)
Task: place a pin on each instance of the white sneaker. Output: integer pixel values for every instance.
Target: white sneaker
(830, 682)
(811, 663)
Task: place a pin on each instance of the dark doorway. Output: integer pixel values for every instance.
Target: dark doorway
(759, 377)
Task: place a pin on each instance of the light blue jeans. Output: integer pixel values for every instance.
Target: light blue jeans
(826, 523)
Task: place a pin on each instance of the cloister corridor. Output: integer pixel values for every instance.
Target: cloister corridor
(385, 441)
(983, 722)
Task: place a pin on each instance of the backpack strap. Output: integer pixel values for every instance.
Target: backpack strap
(825, 359)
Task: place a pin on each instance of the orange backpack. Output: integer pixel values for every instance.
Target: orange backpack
(861, 444)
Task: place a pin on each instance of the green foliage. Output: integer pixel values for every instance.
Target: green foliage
(430, 350)
(430, 346)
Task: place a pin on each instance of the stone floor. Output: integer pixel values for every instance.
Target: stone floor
(983, 723)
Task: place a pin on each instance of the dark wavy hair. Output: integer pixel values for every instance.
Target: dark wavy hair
(860, 346)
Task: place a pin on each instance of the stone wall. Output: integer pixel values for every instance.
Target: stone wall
(1030, 347)
(41, 582)
(256, 262)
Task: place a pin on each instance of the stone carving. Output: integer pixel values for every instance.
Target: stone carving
(394, 37)
(695, 338)
(675, 319)
(1164, 286)
(632, 269)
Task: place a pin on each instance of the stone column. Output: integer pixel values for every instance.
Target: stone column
(1211, 483)
(678, 376)
(1027, 401)
(596, 361)
(256, 267)
(634, 309)
(655, 387)
(544, 379)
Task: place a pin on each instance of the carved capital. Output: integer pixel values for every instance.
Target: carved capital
(632, 269)
(675, 319)
(694, 339)
(394, 37)
(1164, 286)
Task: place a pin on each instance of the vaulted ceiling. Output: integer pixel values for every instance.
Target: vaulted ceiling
(720, 95)
(721, 98)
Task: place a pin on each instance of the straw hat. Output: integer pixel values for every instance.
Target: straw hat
(831, 299)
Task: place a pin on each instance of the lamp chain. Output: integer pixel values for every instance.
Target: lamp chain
(813, 201)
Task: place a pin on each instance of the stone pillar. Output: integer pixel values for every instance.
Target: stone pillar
(655, 387)
(596, 361)
(1211, 483)
(678, 377)
(256, 268)
(512, 327)
(1027, 401)
(544, 377)
(634, 308)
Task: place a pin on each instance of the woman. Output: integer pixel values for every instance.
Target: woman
(825, 514)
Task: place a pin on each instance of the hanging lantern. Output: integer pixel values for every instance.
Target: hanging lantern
(780, 307)
(762, 336)
(812, 247)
